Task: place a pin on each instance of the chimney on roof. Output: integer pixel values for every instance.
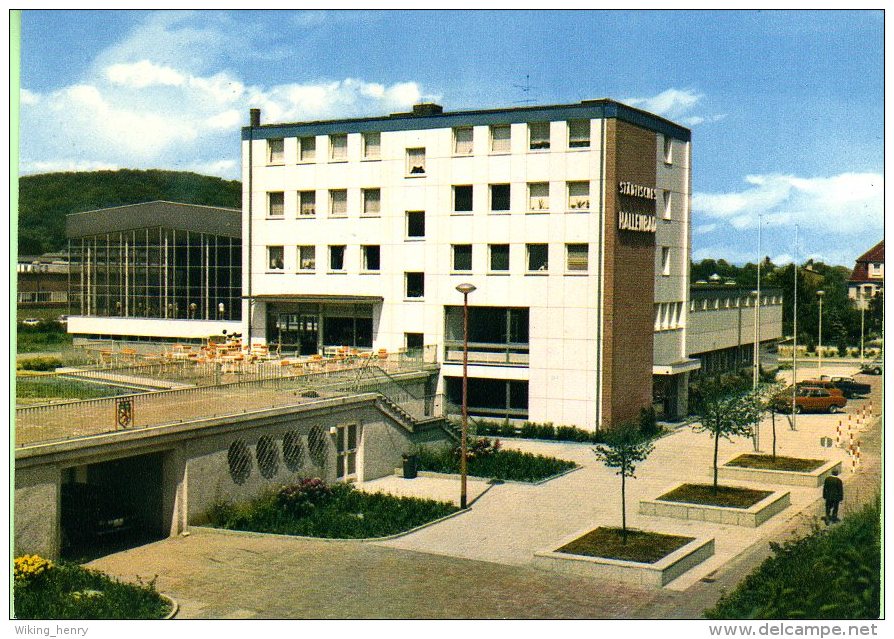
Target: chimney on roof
(254, 117)
(427, 108)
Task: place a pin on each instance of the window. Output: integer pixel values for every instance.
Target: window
(338, 202)
(414, 341)
(372, 145)
(665, 261)
(539, 134)
(415, 223)
(487, 397)
(538, 196)
(499, 197)
(275, 255)
(371, 201)
(415, 285)
(578, 257)
(307, 149)
(538, 257)
(275, 151)
(462, 257)
(307, 258)
(579, 134)
(462, 140)
(307, 203)
(579, 196)
(499, 257)
(667, 205)
(336, 258)
(500, 138)
(338, 147)
(415, 161)
(371, 257)
(497, 335)
(276, 204)
(668, 150)
(462, 198)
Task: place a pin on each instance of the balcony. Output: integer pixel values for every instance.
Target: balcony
(488, 354)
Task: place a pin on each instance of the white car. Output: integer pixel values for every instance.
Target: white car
(31, 321)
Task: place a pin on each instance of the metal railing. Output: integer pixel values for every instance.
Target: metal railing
(79, 418)
(488, 353)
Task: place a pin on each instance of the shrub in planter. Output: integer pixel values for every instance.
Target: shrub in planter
(301, 498)
(39, 364)
(533, 430)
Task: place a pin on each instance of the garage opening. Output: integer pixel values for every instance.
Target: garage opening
(111, 506)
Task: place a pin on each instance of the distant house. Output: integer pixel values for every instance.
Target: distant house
(868, 278)
(42, 281)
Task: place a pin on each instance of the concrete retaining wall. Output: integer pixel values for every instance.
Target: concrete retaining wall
(812, 479)
(748, 517)
(658, 574)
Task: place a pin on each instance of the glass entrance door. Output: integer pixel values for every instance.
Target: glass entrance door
(308, 334)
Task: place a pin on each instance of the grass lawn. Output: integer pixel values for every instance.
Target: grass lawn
(767, 462)
(35, 389)
(726, 496)
(642, 546)
(833, 573)
(511, 465)
(68, 591)
(346, 514)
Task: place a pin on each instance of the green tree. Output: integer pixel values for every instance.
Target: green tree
(624, 447)
(727, 408)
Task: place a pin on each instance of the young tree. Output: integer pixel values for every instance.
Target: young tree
(767, 396)
(625, 446)
(727, 408)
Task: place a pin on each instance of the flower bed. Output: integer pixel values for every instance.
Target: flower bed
(647, 558)
(768, 462)
(488, 459)
(729, 505)
(791, 471)
(723, 496)
(311, 508)
(44, 590)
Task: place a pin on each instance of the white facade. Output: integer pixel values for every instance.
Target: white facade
(556, 196)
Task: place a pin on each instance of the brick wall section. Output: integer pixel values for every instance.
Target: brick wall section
(630, 156)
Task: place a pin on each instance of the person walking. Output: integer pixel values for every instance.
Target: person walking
(833, 493)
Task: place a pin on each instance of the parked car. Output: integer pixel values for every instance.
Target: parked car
(31, 321)
(847, 385)
(822, 383)
(875, 367)
(90, 514)
(808, 399)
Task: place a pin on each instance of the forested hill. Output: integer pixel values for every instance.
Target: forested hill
(45, 200)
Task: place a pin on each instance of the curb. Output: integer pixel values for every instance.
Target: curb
(250, 533)
(490, 480)
(175, 607)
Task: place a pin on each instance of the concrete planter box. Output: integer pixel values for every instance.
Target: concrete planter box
(398, 472)
(749, 517)
(657, 574)
(813, 479)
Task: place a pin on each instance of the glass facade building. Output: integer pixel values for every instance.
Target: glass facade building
(157, 260)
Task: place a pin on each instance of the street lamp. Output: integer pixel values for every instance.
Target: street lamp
(756, 438)
(819, 347)
(862, 326)
(465, 289)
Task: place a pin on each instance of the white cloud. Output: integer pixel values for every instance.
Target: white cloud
(676, 104)
(702, 229)
(847, 203)
(27, 97)
(142, 74)
(57, 166)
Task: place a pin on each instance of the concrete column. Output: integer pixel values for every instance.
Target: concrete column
(37, 513)
(174, 493)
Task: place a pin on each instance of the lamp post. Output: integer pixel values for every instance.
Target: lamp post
(465, 289)
(819, 346)
(862, 325)
(795, 339)
(756, 438)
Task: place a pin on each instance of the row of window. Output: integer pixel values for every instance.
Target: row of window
(577, 196)
(733, 302)
(668, 316)
(536, 258)
(499, 141)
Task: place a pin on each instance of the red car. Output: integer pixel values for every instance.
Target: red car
(810, 399)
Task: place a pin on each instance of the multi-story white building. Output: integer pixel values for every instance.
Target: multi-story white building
(572, 222)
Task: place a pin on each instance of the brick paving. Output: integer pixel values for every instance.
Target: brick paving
(478, 565)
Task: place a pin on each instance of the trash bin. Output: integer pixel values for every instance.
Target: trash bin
(410, 466)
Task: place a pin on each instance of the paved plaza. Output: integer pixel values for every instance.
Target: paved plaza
(479, 564)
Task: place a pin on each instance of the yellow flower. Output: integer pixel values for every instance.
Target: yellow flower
(29, 566)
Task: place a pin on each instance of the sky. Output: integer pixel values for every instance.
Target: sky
(786, 108)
